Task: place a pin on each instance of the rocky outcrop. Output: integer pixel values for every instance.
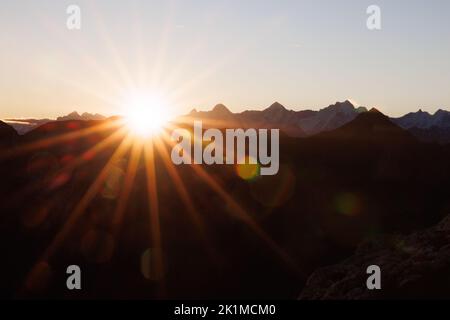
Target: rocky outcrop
(413, 266)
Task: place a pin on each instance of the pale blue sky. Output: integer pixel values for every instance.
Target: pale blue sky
(245, 54)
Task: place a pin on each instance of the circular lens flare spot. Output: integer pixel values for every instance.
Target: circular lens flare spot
(249, 170)
(348, 204)
(150, 264)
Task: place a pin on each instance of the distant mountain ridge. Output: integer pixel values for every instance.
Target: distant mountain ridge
(23, 126)
(427, 127)
(295, 123)
(85, 116)
(423, 125)
(424, 120)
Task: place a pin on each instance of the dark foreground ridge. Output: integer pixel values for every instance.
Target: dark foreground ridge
(414, 266)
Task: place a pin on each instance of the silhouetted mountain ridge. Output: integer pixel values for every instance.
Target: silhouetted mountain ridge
(427, 127)
(22, 126)
(424, 126)
(424, 120)
(295, 123)
(85, 116)
(371, 126)
(7, 134)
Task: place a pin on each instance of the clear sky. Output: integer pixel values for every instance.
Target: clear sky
(245, 54)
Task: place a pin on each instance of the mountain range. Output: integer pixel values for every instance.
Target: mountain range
(424, 120)
(294, 123)
(423, 125)
(23, 126)
(427, 127)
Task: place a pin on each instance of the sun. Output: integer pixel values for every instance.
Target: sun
(146, 115)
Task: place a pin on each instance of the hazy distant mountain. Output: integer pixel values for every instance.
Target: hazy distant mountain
(330, 117)
(294, 123)
(424, 120)
(219, 116)
(23, 126)
(424, 126)
(85, 116)
(427, 127)
(275, 116)
(419, 119)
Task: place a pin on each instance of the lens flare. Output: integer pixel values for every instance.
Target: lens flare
(249, 170)
(146, 115)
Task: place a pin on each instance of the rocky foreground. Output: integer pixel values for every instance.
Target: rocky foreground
(413, 266)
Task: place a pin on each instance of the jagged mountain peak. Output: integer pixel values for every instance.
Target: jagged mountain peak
(221, 108)
(441, 112)
(348, 102)
(345, 106)
(376, 111)
(361, 109)
(371, 126)
(84, 116)
(422, 112)
(276, 106)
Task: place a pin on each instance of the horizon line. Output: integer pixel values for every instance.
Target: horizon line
(194, 109)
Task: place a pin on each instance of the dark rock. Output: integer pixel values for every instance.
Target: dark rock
(413, 266)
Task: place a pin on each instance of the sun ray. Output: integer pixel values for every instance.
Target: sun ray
(179, 185)
(88, 90)
(206, 123)
(50, 141)
(78, 211)
(130, 176)
(81, 52)
(206, 73)
(76, 162)
(178, 69)
(241, 214)
(85, 200)
(161, 51)
(185, 197)
(117, 135)
(140, 43)
(154, 221)
(104, 34)
(245, 217)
